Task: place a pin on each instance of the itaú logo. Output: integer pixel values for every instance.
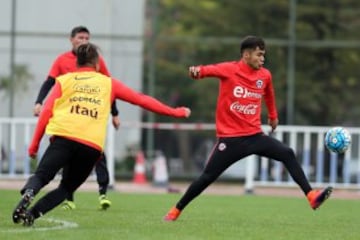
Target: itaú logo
(241, 92)
(86, 88)
(249, 109)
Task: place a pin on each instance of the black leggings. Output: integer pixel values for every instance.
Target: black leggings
(102, 177)
(79, 159)
(229, 150)
(102, 174)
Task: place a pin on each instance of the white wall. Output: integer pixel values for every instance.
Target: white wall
(42, 32)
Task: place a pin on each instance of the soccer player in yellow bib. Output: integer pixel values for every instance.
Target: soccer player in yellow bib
(76, 116)
(65, 63)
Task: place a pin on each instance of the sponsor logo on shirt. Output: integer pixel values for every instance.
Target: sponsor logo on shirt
(85, 99)
(82, 78)
(248, 109)
(86, 88)
(259, 83)
(80, 110)
(241, 92)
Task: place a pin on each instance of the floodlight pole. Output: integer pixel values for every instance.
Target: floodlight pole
(291, 64)
(12, 59)
(151, 73)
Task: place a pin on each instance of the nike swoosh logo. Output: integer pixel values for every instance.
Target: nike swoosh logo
(81, 78)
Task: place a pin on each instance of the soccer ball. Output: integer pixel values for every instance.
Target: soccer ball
(337, 139)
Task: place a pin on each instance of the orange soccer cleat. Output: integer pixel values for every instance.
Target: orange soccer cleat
(317, 197)
(172, 215)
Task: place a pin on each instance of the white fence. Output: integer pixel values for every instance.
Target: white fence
(321, 166)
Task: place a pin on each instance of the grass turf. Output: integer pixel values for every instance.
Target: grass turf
(139, 216)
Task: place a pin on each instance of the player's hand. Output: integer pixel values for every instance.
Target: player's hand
(194, 71)
(37, 109)
(187, 112)
(273, 123)
(116, 122)
(33, 150)
(32, 154)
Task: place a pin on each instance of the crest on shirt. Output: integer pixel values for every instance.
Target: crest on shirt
(259, 83)
(222, 146)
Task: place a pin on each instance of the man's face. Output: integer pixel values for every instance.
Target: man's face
(255, 58)
(79, 38)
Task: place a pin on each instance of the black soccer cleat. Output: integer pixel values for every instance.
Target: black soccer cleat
(19, 212)
(28, 219)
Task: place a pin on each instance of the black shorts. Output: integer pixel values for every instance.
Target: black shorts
(229, 150)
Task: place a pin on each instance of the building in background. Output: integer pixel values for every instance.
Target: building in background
(33, 33)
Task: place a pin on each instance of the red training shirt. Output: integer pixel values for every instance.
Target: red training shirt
(238, 111)
(66, 63)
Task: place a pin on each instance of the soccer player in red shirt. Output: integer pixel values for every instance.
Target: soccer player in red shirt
(65, 63)
(83, 99)
(243, 84)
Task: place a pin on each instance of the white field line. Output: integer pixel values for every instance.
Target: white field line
(62, 224)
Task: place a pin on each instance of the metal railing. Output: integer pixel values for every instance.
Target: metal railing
(320, 166)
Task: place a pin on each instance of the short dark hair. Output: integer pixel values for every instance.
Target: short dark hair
(252, 42)
(79, 29)
(87, 54)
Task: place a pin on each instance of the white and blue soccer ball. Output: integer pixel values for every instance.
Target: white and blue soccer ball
(337, 139)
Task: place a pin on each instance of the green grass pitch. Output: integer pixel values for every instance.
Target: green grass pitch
(139, 216)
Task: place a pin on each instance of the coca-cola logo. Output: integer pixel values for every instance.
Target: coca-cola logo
(249, 109)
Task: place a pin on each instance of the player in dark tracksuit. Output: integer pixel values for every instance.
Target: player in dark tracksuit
(243, 84)
(64, 63)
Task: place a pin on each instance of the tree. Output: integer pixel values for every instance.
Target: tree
(207, 31)
(21, 79)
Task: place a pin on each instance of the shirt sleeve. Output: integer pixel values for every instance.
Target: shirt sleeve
(45, 115)
(114, 110)
(45, 89)
(218, 70)
(269, 97)
(103, 69)
(55, 68)
(122, 92)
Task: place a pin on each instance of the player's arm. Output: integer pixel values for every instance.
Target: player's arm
(269, 97)
(115, 115)
(114, 110)
(47, 85)
(121, 91)
(43, 120)
(212, 70)
(102, 67)
(44, 90)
